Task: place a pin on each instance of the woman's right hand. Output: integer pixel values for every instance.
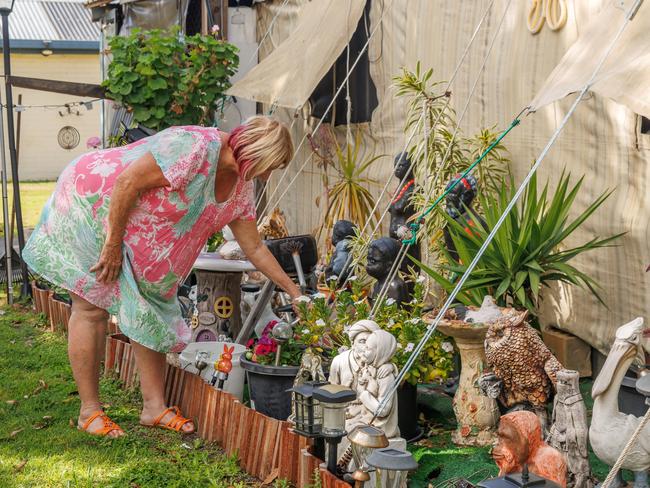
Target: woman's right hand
(108, 267)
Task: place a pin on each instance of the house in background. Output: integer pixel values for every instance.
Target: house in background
(54, 40)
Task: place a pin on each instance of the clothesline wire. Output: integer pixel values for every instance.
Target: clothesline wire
(405, 245)
(452, 296)
(320, 122)
(53, 105)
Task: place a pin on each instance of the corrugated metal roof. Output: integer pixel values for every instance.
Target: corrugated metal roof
(52, 21)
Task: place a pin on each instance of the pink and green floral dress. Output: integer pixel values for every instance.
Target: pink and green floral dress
(164, 235)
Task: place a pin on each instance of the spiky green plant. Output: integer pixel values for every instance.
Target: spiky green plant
(527, 251)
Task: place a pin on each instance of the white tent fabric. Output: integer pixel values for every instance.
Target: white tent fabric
(625, 76)
(289, 75)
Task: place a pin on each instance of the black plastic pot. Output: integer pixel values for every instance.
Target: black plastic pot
(407, 412)
(268, 387)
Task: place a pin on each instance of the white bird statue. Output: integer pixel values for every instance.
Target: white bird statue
(611, 429)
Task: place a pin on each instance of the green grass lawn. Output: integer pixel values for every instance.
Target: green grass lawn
(39, 447)
(33, 195)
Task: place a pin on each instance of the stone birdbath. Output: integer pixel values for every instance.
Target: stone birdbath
(476, 414)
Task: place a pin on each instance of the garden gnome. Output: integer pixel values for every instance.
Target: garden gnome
(401, 208)
(375, 381)
(520, 443)
(339, 265)
(382, 253)
(345, 367)
(570, 429)
(459, 207)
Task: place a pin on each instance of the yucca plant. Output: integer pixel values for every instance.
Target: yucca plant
(526, 252)
(348, 193)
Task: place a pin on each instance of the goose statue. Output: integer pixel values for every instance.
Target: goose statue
(610, 429)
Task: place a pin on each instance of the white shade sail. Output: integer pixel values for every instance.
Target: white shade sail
(289, 75)
(625, 76)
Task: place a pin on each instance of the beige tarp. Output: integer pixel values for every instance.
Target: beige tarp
(624, 77)
(601, 141)
(289, 75)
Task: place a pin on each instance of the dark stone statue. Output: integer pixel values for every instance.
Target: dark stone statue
(382, 253)
(339, 265)
(402, 209)
(459, 207)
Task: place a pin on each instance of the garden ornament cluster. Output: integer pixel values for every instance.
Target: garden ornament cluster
(570, 428)
(611, 429)
(520, 444)
(519, 358)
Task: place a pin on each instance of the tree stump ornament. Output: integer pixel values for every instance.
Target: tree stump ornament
(218, 297)
(382, 253)
(570, 428)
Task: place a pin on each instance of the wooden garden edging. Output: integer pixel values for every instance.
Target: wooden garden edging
(266, 448)
(56, 311)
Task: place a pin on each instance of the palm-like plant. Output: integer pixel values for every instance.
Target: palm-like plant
(349, 196)
(526, 252)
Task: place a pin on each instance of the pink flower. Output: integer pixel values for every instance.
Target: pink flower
(93, 142)
(214, 29)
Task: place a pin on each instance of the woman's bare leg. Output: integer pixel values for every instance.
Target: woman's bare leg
(86, 336)
(151, 366)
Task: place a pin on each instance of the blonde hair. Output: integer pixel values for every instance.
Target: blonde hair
(261, 144)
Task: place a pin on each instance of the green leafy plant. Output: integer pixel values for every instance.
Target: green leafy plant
(348, 196)
(527, 251)
(439, 147)
(166, 79)
(215, 241)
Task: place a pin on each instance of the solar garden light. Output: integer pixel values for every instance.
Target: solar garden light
(391, 466)
(308, 415)
(364, 439)
(525, 479)
(6, 6)
(201, 361)
(281, 332)
(333, 399)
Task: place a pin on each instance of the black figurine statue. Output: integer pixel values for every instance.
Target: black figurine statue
(402, 209)
(382, 253)
(340, 264)
(459, 207)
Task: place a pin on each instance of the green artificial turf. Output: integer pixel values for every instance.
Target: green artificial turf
(39, 447)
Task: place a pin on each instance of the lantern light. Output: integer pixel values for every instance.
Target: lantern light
(334, 400)
(308, 413)
(392, 467)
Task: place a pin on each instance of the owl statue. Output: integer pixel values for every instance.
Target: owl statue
(521, 361)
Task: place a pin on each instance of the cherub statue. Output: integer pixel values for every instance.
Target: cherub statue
(569, 431)
(520, 443)
(382, 253)
(339, 265)
(376, 378)
(345, 367)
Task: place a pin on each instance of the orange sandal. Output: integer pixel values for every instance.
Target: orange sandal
(109, 425)
(176, 423)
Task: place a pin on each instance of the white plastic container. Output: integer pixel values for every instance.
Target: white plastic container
(235, 382)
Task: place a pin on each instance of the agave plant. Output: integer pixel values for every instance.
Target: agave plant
(527, 251)
(348, 193)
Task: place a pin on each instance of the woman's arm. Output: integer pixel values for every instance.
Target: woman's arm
(142, 174)
(249, 240)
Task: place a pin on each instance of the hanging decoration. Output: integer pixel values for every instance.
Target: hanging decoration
(68, 137)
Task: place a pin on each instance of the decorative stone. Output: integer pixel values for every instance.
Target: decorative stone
(520, 443)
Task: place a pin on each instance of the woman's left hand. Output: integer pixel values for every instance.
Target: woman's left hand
(109, 265)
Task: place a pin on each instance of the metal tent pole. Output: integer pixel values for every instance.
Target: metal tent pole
(24, 291)
(5, 215)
